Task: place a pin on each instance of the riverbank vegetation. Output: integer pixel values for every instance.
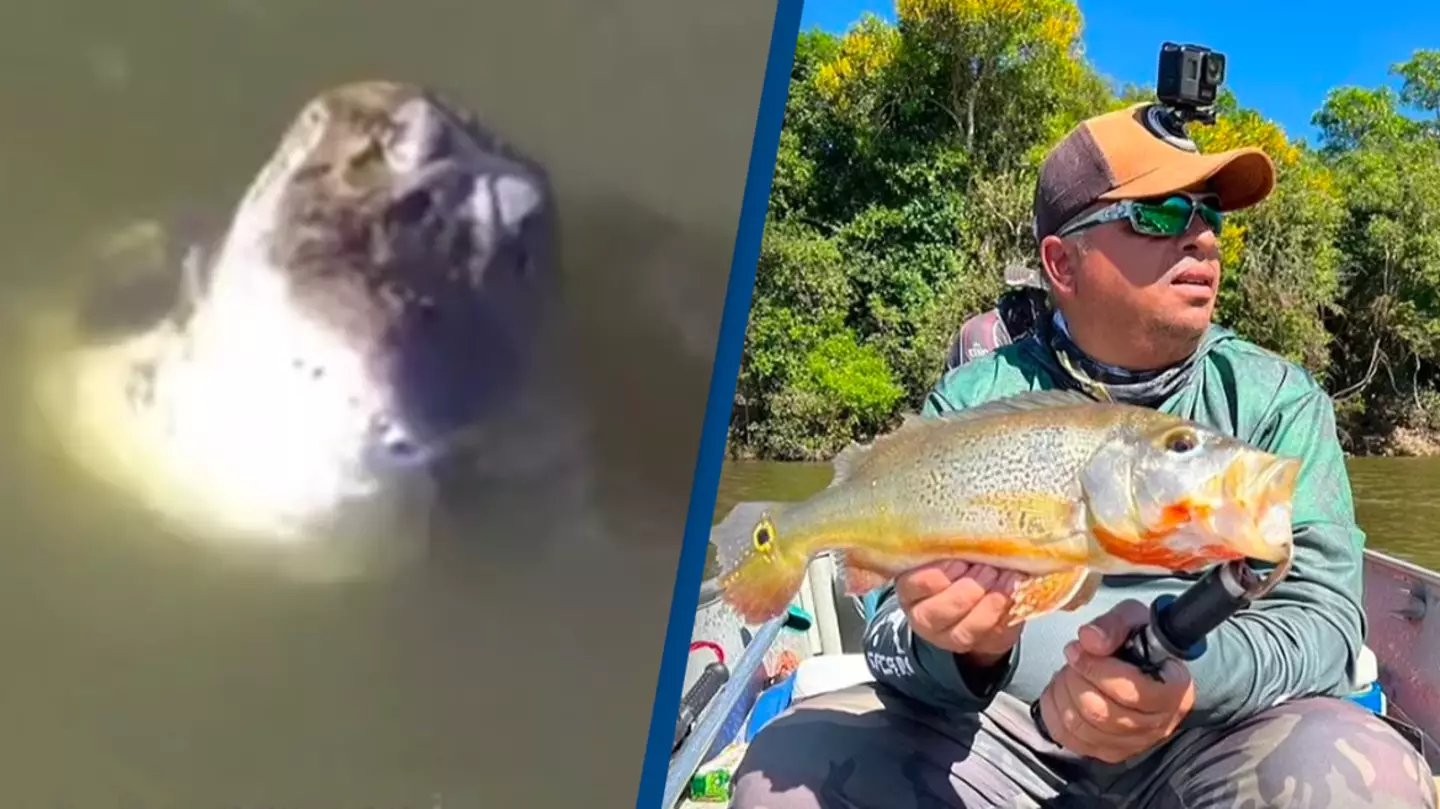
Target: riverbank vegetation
(902, 190)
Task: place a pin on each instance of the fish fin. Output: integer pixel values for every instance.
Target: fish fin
(845, 461)
(859, 577)
(848, 460)
(759, 592)
(761, 586)
(1020, 403)
(910, 420)
(1084, 592)
(1062, 590)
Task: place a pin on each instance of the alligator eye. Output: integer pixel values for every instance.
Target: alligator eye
(367, 155)
(1181, 441)
(413, 208)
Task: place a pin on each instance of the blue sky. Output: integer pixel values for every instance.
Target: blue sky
(1282, 56)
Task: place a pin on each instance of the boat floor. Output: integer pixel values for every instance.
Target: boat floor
(728, 760)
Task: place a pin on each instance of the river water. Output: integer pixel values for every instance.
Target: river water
(141, 673)
(1395, 501)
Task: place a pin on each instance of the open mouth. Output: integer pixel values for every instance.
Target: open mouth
(1267, 500)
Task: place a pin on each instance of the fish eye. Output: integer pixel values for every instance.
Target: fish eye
(763, 537)
(1181, 441)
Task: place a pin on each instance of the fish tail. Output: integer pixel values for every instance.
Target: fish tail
(763, 567)
(762, 587)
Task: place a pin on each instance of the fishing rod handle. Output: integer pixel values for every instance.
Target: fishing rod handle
(1178, 624)
(706, 686)
(1183, 622)
(1141, 649)
(1147, 647)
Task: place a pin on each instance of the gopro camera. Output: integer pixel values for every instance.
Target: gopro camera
(1189, 81)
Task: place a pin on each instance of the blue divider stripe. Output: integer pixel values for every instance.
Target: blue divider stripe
(728, 349)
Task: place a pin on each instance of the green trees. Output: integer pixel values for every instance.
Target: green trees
(1385, 160)
(902, 191)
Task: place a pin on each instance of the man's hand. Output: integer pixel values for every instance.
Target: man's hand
(1106, 709)
(961, 608)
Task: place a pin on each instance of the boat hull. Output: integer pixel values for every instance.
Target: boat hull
(1402, 605)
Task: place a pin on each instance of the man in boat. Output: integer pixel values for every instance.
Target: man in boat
(1125, 221)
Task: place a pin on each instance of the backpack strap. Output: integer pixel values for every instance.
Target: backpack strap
(977, 337)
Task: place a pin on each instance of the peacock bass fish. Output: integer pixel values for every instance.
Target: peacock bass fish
(1051, 484)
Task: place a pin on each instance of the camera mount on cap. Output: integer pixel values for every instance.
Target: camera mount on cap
(1186, 87)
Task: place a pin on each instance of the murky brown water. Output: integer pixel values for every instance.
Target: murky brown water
(141, 674)
(1397, 500)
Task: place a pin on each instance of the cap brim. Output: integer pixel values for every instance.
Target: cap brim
(1240, 177)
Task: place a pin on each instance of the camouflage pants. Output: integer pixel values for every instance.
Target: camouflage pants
(867, 748)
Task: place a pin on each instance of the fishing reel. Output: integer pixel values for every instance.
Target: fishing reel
(1178, 624)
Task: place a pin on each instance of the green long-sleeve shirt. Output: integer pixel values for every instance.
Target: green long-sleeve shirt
(1302, 639)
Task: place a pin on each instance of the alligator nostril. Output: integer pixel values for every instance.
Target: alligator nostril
(402, 449)
(398, 446)
(314, 371)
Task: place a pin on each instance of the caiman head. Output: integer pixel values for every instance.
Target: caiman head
(382, 280)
